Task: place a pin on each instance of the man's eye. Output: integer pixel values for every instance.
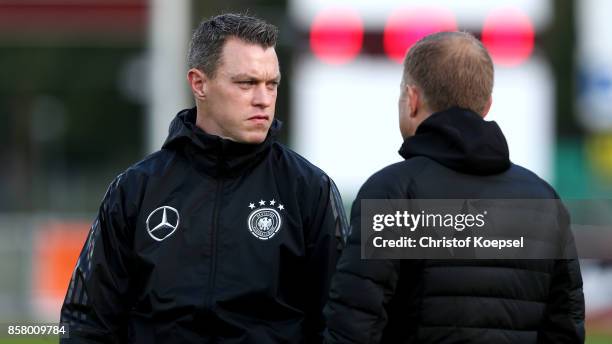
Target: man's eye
(246, 82)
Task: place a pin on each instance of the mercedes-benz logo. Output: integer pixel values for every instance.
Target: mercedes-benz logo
(166, 220)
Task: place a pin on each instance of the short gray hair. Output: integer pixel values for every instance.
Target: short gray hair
(451, 69)
(211, 34)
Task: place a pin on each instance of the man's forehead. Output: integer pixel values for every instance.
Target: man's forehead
(263, 76)
(239, 57)
(258, 71)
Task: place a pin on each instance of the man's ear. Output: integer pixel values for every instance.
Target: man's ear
(198, 82)
(415, 99)
(487, 107)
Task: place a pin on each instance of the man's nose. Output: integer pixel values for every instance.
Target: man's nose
(263, 97)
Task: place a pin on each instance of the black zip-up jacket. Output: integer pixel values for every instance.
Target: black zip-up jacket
(455, 154)
(209, 241)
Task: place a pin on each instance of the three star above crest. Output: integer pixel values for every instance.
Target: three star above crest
(273, 203)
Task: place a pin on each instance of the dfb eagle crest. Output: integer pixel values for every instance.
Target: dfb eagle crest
(265, 220)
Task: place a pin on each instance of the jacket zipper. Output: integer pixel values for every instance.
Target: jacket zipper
(213, 243)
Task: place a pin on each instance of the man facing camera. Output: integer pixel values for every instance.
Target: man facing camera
(222, 236)
(451, 152)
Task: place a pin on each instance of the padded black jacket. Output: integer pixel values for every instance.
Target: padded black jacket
(455, 154)
(209, 241)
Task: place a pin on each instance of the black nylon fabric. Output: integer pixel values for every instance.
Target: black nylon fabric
(212, 154)
(211, 279)
(455, 154)
(462, 142)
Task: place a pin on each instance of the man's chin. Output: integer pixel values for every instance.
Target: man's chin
(255, 138)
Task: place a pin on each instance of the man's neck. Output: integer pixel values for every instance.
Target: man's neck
(208, 126)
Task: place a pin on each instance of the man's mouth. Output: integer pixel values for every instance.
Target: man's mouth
(259, 118)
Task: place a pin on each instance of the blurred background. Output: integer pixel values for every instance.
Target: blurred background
(88, 87)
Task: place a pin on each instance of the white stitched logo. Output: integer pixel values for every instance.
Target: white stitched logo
(266, 221)
(162, 222)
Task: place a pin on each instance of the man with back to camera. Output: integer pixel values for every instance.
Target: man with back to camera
(222, 236)
(451, 152)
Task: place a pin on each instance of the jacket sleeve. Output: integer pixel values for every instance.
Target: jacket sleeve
(564, 316)
(95, 304)
(325, 238)
(360, 290)
(564, 319)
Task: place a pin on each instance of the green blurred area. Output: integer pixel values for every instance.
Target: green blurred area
(583, 167)
(69, 124)
(29, 340)
(596, 338)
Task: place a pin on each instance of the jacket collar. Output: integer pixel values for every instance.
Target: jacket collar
(460, 140)
(216, 156)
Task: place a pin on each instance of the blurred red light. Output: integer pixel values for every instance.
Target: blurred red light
(509, 36)
(336, 35)
(406, 27)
